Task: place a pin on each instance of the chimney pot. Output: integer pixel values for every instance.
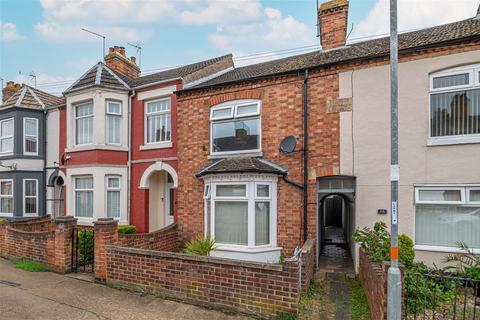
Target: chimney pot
(117, 60)
(133, 60)
(332, 20)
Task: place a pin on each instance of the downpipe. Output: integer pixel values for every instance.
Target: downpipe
(305, 156)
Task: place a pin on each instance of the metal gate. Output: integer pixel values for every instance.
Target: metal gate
(83, 243)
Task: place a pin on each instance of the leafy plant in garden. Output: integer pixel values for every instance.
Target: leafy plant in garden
(200, 245)
(126, 229)
(467, 263)
(85, 245)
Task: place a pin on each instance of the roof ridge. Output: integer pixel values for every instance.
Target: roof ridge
(22, 95)
(36, 97)
(115, 75)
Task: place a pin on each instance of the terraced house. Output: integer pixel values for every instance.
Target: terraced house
(237, 183)
(24, 117)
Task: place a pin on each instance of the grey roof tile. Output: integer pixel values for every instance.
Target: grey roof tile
(241, 165)
(108, 79)
(28, 97)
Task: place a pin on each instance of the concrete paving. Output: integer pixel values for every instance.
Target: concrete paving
(46, 295)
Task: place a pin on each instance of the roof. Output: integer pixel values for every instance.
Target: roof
(32, 98)
(176, 73)
(456, 31)
(99, 76)
(241, 165)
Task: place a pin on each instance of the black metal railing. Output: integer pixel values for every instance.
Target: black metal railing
(83, 243)
(439, 295)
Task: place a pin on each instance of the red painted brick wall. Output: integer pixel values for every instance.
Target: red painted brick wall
(281, 116)
(165, 239)
(97, 157)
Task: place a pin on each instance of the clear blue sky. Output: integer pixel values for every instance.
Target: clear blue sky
(44, 36)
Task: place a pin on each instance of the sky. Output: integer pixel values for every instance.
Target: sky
(45, 36)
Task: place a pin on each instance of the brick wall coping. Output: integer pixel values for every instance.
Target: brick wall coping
(192, 257)
(150, 234)
(39, 234)
(308, 246)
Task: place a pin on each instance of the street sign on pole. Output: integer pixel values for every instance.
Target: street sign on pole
(394, 302)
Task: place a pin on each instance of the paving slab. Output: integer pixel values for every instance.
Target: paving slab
(46, 295)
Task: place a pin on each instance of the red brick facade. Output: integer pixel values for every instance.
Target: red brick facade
(165, 239)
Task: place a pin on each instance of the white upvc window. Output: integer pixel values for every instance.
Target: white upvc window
(83, 196)
(241, 214)
(158, 127)
(30, 136)
(455, 106)
(6, 197)
(84, 123)
(235, 127)
(113, 189)
(6, 136)
(30, 197)
(114, 122)
(445, 216)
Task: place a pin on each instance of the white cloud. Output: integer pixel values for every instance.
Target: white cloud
(414, 14)
(8, 32)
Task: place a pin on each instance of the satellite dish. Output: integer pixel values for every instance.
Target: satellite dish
(288, 144)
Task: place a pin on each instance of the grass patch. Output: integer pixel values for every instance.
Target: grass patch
(312, 294)
(285, 316)
(3, 220)
(31, 266)
(358, 301)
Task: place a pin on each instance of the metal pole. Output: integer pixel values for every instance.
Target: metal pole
(394, 303)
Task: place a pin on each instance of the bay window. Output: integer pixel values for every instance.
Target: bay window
(445, 216)
(455, 105)
(84, 123)
(6, 136)
(30, 136)
(83, 196)
(241, 213)
(6, 197)
(114, 122)
(113, 196)
(158, 121)
(30, 196)
(236, 127)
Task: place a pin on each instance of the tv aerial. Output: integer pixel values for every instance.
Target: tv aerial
(137, 45)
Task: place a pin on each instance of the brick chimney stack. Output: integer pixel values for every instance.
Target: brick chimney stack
(117, 60)
(10, 90)
(332, 20)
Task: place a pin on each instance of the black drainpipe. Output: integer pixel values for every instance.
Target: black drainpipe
(305, 156)
(45, 182)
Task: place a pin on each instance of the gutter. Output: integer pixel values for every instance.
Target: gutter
(305, 156)
(129, 161)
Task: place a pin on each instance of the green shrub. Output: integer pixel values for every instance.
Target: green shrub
(31, 266)
(127, 229)
(85, 245)
(405, 250)
(3, 220)
(467, 263)
(200, 245)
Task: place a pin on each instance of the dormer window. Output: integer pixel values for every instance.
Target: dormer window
(84, 123)
(236, 127)
(455, 106)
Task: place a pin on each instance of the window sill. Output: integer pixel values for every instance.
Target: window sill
(420, 247)
(265, 254)
(6, 154)
(29, 215)
(160, 145)
(6, 214)
(96, 147)
(235, 155)
(442, 141)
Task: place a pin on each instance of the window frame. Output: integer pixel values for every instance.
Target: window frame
(474, 84)
(12, 196)
(8, 137)
(467, 192)
(25, 214)
(251, 199)
(418, 189)
(25, 136)
(234, 105)
(76, 118)
(118, 115)
(119, 190)
(75, 193)
(464, 203)
(147, 114)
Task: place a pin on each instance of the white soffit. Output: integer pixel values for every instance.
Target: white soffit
(150, 94)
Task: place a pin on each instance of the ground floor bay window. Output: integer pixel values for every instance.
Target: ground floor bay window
(241, 215)
(445, 216)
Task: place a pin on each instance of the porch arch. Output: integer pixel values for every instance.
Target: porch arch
(158, 166)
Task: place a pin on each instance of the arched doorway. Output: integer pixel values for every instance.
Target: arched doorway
(336, 223)
(161, 180)
(56, 192)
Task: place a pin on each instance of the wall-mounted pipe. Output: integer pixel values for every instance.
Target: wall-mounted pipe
(305, 156)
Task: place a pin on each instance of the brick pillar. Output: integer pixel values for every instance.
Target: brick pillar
(62, 257)
(106, 233)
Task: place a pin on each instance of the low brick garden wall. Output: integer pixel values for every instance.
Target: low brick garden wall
(165, 239)
(39, 240)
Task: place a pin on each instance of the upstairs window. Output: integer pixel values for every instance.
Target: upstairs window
(114, 122)
(236, 128)
(455, 105)
(6, 136)
(30, 136)
(157, 121)
(113, 196)
(84, 123)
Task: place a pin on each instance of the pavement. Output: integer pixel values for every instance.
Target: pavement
(46, 295)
